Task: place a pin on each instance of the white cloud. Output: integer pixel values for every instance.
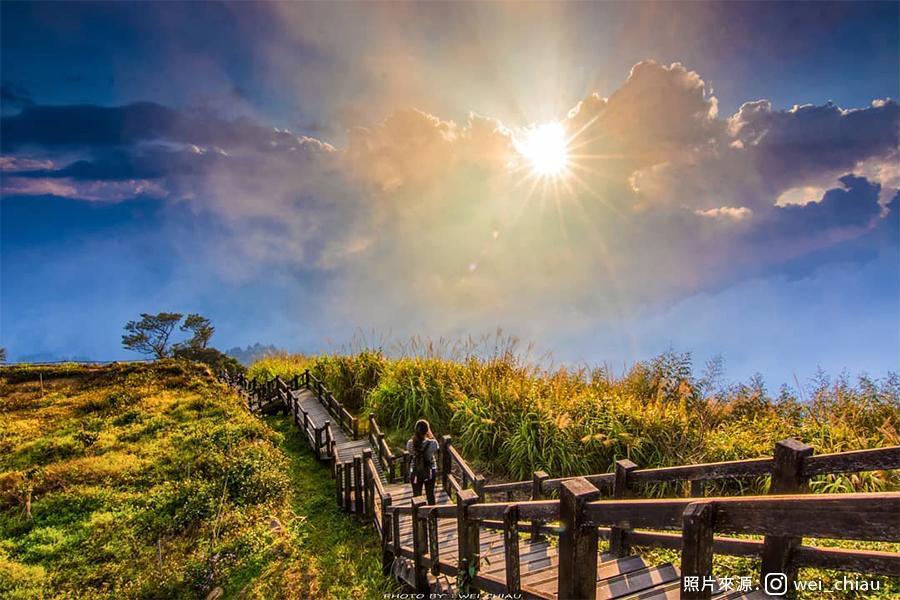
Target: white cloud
(727, 213)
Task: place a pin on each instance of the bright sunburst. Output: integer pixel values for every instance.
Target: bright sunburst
(547, 149)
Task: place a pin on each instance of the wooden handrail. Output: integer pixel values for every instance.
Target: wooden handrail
(468, 471)
(685, 524)
(547, 510)
(875, 459)
(379, 487)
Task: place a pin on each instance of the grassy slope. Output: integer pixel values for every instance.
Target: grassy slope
(343, 553)
(153, 482)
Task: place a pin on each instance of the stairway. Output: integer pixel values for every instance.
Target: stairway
(628, 577)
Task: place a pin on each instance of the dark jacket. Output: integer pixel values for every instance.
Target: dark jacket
(429, 448)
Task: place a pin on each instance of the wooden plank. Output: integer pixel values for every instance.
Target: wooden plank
(664, 591)
(512, 486)
(871, 517)
(721, 545)
(636, 581)
(459, 460)
(875, 459)
(599, 480)
(859, 561)
(529, 554)
(547, 510)
(704, 472)
(610, 567)
(634, 514)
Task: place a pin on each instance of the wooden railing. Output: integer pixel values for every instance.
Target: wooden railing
(346, 420)
(456, 474)
(580, 517)
(584, 519)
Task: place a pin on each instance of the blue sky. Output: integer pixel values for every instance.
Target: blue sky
(299, 172)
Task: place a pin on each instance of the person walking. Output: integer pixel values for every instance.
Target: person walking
(422, 448)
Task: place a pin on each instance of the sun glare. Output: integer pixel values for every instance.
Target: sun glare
(546, 148)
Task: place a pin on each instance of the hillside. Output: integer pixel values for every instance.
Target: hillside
(152, 481)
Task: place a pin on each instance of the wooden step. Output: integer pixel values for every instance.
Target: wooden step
(630, 583)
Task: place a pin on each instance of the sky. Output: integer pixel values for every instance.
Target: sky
(605, 180)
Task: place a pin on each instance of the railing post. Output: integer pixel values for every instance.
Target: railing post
(404, 465)
(478, 486)
(420, 545)
(511, 549)
(617, 545)
(434, 547)
(577, 541)
(697, 551)
(387, 530)
(370, 484)
(445, 462)
(467, 535)
(358, 485)
(354, 425)
(395, 534)
(318, 436)
(338, 484)
(787, 478)
(695, 488)
(537, 492)
(348, 486)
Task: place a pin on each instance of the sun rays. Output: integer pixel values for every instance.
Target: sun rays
(546, 149)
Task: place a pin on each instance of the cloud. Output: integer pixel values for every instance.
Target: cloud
(659, 111)
(92, 191)
(98, 126)
(766, 157)
(726, 213)
(418, 223)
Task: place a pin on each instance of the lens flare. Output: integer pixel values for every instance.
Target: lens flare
(547, 150)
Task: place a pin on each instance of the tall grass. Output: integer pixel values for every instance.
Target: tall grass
(510, 416)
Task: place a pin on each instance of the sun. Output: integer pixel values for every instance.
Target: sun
(547, 149)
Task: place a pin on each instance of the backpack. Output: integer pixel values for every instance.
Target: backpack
(421, 466)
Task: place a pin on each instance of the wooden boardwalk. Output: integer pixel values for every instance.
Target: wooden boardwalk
(542, 547)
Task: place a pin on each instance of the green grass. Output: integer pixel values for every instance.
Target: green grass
(344, 553)
(510, 417)
(152, 481)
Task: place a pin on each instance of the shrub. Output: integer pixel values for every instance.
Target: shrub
(510, 417)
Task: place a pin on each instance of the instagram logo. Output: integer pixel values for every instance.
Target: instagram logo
(775, 584)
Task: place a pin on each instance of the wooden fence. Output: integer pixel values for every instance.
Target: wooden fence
(588, 508)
